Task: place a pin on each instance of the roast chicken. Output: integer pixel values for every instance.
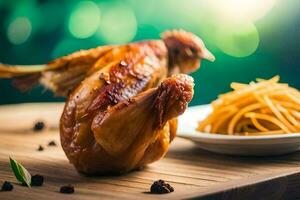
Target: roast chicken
(122, 101)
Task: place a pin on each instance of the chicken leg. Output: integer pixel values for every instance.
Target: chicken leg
(134, 132)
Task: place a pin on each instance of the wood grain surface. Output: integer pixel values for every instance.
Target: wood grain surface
(192, 172)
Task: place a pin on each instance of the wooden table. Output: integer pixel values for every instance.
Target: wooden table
(193, 173)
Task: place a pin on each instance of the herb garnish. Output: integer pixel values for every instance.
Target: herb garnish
(20, 172)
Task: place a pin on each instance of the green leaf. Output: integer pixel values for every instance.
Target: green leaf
(20, 172)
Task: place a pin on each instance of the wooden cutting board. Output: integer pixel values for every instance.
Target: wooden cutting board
(192, 172)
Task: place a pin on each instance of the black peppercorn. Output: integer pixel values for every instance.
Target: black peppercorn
(7, 186)
(52, 143)
(38, 126)
(37, 180)
(67, 189)
(161, 187)
(41, 148)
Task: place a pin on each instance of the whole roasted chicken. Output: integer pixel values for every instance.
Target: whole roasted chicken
(122, 100)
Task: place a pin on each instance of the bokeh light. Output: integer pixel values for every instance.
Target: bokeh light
(29, 10)
(244, 9)
(235, 32)
(118, 25)
(84, 19)
(19, 30)
(237, 39)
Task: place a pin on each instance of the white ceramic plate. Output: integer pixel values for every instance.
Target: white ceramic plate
(234, 145)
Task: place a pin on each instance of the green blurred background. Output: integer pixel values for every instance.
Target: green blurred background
(250, 38)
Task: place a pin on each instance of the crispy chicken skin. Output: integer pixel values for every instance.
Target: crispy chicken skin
(121, 109)
(128, 135)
